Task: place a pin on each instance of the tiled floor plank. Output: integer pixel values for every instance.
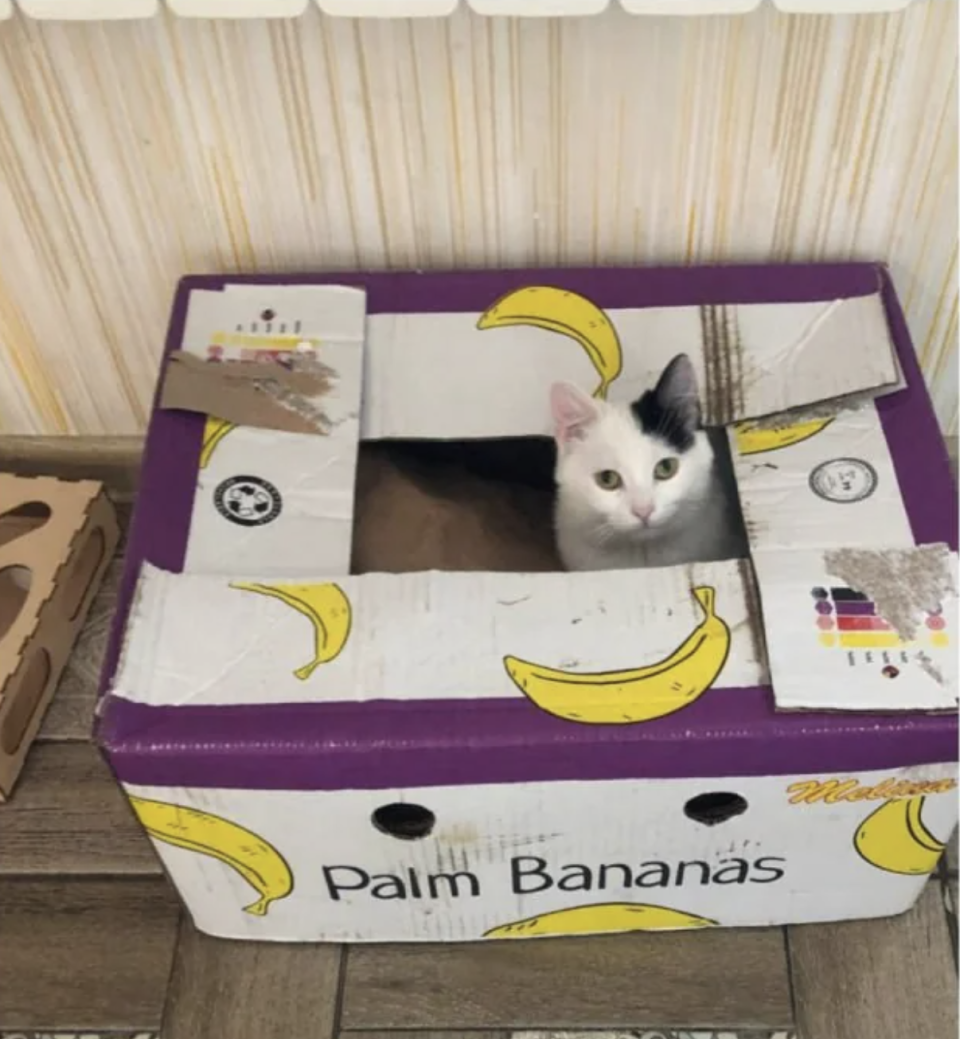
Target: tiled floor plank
(722, 978)
(877, 979)
(251, 990)
(85, 953)
(68, 816)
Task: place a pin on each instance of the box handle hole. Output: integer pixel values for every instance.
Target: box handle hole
(408, 822)
(711, 809)
(87, 564)
(15, 584)
(24, 519)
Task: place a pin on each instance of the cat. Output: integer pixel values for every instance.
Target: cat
(638, 485)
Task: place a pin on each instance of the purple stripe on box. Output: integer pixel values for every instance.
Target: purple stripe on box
(395, 743)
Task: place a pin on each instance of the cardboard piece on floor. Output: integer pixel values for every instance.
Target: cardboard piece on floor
(56, 540)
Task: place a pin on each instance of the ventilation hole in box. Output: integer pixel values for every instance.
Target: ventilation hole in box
(24, 519)
(714, 808)
(24, 701)
(15, 584)
(408, 822)
(78, 584)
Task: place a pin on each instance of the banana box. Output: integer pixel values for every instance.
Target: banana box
(320, 756)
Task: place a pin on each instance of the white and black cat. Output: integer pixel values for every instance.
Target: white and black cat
(637, 484)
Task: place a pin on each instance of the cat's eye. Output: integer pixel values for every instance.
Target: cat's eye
(609, 479)
(666, 468)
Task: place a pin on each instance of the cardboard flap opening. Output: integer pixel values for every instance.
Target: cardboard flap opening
(24, 700)
(23, 519)
(15, 584)
(80, 582)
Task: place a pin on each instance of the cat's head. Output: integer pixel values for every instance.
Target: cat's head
(636, 468)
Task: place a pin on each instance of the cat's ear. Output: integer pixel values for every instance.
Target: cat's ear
(573, 412)
(677, 392)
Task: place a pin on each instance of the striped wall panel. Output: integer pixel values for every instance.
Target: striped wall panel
(132, 151)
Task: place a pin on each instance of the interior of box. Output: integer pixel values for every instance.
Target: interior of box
(483, 504)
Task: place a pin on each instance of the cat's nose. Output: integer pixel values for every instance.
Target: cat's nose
(642, 512)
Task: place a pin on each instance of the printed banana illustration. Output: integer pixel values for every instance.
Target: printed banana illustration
(599, 919)
(893, 838)
(568, 313)
(639, 694)
(755, 438)
(213, 432)
(324, 605)
(257, 861)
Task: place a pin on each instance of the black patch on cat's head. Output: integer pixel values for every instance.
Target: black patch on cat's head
(671, 410)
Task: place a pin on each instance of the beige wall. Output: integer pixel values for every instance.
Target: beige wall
(133, 153)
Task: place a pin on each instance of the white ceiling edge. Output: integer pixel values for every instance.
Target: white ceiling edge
(538, 8)
(88, 10)
(109, 10)
(237, 8)
(690, 7)
(387, 8)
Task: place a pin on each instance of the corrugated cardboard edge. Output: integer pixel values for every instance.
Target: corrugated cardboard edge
(40, 637)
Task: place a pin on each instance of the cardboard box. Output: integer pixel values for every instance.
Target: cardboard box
(322, 756)
(56, 540)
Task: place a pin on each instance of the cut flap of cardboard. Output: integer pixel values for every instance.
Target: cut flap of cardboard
(273, 368)
(751, 360)
(815, 487)
(56, 540)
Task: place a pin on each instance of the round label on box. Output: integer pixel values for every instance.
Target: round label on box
(249, 501)
(844, 480)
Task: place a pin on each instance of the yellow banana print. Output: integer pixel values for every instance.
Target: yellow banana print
(894, 838)
(755, 438)
(639, 694)
(568, 313)
(605, 918)
(257, 861)
(213, 432)
(324, 605)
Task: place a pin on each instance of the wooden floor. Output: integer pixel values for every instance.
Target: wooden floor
(92, 940)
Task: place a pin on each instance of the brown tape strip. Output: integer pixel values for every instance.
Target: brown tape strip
(249, 393)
